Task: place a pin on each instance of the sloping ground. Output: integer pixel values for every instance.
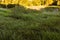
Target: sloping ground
(21, 24)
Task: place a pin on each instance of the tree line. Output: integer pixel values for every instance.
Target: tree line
(11, 3)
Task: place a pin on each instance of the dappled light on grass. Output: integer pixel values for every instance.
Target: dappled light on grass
(36, 7)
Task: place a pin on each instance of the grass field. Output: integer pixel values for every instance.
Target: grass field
(25, 24)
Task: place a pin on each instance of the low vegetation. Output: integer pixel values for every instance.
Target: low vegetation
(25, 24)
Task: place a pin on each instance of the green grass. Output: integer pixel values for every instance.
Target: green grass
(21, 24)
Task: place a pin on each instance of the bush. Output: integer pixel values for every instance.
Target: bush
(3, 6)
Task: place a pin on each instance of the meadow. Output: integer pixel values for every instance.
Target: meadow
(19, 23)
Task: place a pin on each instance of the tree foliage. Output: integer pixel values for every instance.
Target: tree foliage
(30, 2)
